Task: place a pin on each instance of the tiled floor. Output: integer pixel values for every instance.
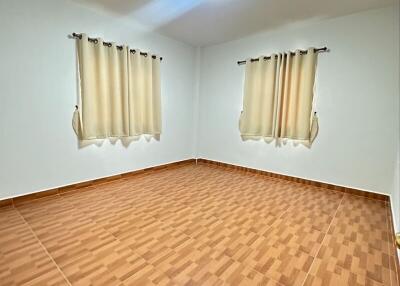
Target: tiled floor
(198, 225)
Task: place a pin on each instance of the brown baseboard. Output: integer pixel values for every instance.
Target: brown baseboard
(6, 203)
(352, 191)
(73, 187)
(92, 183)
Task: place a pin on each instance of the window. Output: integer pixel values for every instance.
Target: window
(278, 97)
(119, 91)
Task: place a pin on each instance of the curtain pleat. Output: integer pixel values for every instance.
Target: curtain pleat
(119, 92)
(298, 95)
(258, 105)
(278, 96)
(144, 95)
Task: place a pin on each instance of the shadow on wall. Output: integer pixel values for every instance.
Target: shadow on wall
(125, 141)
(117, 7)
(152, 14)
(280, 142)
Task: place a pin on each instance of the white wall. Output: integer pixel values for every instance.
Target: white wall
(356, 104)
(396, 75)
(38, 92)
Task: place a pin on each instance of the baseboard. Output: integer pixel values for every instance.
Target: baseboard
(352, 191)
(91, 183)
(6, 203)
(10, 202)
(55, 191)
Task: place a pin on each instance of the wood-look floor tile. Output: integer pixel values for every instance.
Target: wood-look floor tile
(22, 258)
(325, 272)
(202, 225)
(394, 262)
(360, 259)
(85, 251)
(356, 249)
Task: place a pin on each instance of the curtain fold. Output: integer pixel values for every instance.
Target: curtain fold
(295, 114)
(144, 95)
(257, 118)
(119, 92)
(278, 98)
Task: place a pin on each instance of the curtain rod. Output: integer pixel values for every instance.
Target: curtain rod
(94, 40)
(302, 52)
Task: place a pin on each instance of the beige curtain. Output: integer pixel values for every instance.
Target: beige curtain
(144, 95)
(119, 93)
(278, 98)
(259, 104)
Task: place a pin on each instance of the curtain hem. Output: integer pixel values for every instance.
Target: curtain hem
(119, 136)
(279, 140)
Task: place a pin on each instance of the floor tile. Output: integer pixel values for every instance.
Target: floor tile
(198, 225)
(22, 258)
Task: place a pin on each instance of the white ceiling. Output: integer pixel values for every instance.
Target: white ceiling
(206, 22)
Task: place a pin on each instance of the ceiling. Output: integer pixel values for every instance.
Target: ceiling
(207, 22)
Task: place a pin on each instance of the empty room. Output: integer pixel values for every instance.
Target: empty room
(200, 142)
